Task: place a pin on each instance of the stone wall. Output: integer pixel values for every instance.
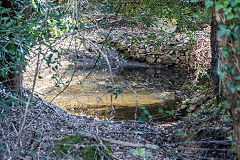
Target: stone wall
(174, 51)
(178, 50)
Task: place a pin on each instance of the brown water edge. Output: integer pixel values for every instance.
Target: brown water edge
(126, 112)
(124, 107)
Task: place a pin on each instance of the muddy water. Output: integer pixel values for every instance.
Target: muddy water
(133, 88)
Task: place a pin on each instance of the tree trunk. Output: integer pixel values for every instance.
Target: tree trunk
(230, 64)
(11, 79)
(215, 53)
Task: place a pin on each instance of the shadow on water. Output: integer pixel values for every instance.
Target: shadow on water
(128, 113)
(135, 86)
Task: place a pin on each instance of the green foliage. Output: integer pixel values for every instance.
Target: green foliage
(209, 4)
(181, 133)
(19, 34)
(12, 46)
(145, 115)
(116, 91)
(7, 102)
(79, 147)
(229, 35)
(170, 113)
(186, 13)
(230, 29)
(141, 152)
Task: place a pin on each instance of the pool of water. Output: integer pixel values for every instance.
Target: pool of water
(154, 88)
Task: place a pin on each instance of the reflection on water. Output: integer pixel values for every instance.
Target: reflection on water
(148, 87)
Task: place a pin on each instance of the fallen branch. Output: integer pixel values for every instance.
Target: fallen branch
(130, 144)
(122, 143)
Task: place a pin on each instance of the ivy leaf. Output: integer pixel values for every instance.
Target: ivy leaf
(209, 4)
(238, 102)
(185, 86)
(230, 138)
(70, 66)
(160, 110)
(134, 152)
(194, 1)
(146, 112)
(219, 6)
(142, 152)
(223, 31)
(233, 89)
(238, 88)
(170, 112)
(233, 70)
(230, 16)
(238, 78)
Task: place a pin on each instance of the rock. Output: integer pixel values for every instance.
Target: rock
(150, 72)
(178, 38)
(180, 45)
(158, 71)
(135, 49)
(177, 54)
(154, 53)
(182, 53)
(168, 60)
(148, 49)
(141, 51)
(147, 80)
(171, 52)
(177, 61)
(187, 53)
(142, 46)
(159, 60)
(141, 57)
(122, 46)
(192, 107)
(165, 24)
(194, 101)
(182, 59)
(161, 53)
(150, 59)
(192, 62)
(184, 106)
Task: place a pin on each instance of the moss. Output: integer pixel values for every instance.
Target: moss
(78, 147)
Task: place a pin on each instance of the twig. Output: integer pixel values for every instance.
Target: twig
(13, 97)
(133, 132)
(206, 149)
(74, 71)
(34, 83)
(136, 107)
(223, 142)
(195, 157)
(3, 134)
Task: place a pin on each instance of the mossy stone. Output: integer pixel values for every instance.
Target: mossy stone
(79, 147)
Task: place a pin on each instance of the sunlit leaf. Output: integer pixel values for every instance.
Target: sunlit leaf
(209, 3)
